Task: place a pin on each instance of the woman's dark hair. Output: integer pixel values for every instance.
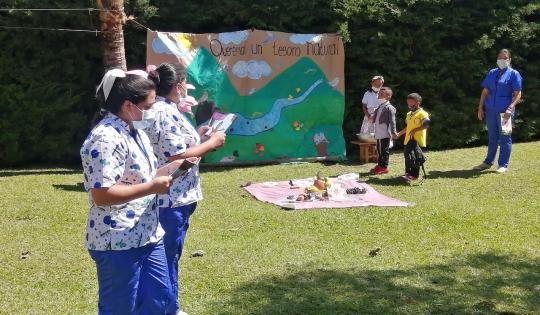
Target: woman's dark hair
(132, 87)
(204, 111)
(166, 76)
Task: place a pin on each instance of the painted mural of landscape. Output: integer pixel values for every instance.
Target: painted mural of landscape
(287, 108)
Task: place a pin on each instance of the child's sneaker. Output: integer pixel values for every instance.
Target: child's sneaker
(380, 171)
(375, 169)
(409, 178)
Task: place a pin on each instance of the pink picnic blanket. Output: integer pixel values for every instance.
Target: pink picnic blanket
(277, 193)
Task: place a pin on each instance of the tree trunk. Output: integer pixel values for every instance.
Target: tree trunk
(112, 36)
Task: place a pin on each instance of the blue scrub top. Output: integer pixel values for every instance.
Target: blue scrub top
(500, 91)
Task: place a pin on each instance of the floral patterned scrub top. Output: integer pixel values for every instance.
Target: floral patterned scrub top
(112, 154)
(170, 134)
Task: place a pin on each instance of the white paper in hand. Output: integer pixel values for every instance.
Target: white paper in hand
(220, 122)
(506, 125)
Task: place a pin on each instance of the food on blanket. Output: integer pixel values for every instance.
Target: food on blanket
(311, 189)
(312, 196)
(356, 191)
(320, 182)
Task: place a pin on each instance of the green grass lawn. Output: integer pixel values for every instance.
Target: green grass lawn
(471, 244)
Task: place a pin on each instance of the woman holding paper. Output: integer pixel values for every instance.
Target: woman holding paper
(173, 137)
(500, 95)
(123, 235)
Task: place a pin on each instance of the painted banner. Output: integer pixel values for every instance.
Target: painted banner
(286, 90)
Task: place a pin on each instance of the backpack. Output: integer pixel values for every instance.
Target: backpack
(414, 156)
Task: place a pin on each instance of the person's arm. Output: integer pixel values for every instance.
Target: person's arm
(425, 125)
(393, 122)
(104, 158)
(364, 106)
(118, 193)
(483, 95)
(366, 112)
(517, 86)
(401, 133)
(215, 141)
(516, 97)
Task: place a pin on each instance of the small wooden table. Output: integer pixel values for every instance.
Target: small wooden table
(368, 151)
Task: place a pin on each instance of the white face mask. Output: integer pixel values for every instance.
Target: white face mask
(503, 63)
(147, 117)
(376, 89)
(381, 101)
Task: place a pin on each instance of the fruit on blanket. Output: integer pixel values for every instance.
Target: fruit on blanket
(328, 181)
(311, 189)
(320, 184)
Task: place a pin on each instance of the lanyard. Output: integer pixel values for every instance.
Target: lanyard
(134, 134)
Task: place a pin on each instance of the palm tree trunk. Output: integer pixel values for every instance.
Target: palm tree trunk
(112, 36)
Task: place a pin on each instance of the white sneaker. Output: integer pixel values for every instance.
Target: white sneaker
(181, 313)
(482, 167)
(501, 169)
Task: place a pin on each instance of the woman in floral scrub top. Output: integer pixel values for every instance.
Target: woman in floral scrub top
(173, 137)
(123, 235)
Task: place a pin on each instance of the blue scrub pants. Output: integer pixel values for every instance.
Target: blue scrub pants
(496, 140)
(133, 281)
(175, 222)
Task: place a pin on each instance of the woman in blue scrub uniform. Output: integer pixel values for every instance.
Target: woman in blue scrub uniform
(500, 95)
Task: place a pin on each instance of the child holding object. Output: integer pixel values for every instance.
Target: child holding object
(415, 132)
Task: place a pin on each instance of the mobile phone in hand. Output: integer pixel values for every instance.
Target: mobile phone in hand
(184, 167)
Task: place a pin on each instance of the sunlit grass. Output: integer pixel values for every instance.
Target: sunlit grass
(469, 245)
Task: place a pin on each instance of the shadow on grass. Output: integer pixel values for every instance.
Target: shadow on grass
(479, 284)
(79, 187)
(388, 181)
(456, 174)
(8, 173)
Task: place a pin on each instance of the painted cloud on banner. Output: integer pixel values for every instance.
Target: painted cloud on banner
(162, 44)
(301, 39)
(233, 37)
(253, 69)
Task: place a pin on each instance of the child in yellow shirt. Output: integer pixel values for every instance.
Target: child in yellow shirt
(417, 121)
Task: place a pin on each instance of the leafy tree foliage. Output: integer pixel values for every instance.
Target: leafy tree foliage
(441, 49)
